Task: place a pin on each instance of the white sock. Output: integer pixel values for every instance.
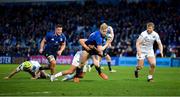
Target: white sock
(58, 74)
(150, 76)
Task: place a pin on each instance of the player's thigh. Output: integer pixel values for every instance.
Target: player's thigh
(72, 69)
(76, 60)
(95, 60)
(140, 59)
(52, 59)
(140, 62)
(152, 60)
(108, 58)
(84, 57)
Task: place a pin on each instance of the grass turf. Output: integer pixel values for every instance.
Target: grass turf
(121, 83)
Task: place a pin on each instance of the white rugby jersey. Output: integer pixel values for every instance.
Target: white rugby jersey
(148, 40)
(34, 68)
(109, 31)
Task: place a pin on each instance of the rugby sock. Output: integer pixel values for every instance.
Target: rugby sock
(109, 65)
(98, 69)
(58, 74)
(78, 71)
(150, 76)
(92, 65)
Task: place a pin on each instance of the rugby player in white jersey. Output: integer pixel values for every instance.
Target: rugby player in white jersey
(32, 67)
(144, 46)
(72, 69)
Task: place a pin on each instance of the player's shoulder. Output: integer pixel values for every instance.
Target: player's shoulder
(155, 33)
(63, 35)
(34, 62)
(97, 33)
(49, 33)
(144, 33)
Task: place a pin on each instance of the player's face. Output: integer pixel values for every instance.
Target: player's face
(58, 30)
(103, 32)
(150, 29)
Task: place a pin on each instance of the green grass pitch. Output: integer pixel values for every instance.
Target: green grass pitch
(121, 83)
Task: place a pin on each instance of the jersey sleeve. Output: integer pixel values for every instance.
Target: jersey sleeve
(64, 38)
(99, 40)
(157, 38)
(19, 68)
(141, 37)
(47, 37)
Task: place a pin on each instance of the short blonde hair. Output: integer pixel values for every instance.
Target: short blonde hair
(103, 26)
(150, 24)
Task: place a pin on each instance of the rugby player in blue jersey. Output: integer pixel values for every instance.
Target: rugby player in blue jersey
(109, 35)
(55, 44)
(96, 38)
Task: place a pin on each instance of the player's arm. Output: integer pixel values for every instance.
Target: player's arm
(82, 43)
(138, 45)
(42, 45)
(108, 42)
(12, 73)
(111, 32)
(100, 50)
(160, 46)
(63, 46)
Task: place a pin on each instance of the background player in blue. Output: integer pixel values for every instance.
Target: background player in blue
(55, 44)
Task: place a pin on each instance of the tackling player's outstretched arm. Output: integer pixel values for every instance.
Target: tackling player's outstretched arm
(42, 45)
(12, 74)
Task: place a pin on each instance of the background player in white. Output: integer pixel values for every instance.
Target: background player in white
(72, 69)
(32, 67)
(144, 46)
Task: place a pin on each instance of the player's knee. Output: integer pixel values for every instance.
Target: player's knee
(53, 63)
(108, 58)
(153, 65)
(96, 63)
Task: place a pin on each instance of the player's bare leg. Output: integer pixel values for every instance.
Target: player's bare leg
(52, 66)
(96, 60)
(69, 71)
(108, 58)
(84, 57)
(139, 66)
(152, 62)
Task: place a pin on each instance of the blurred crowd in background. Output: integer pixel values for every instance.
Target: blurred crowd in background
(22, 26)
